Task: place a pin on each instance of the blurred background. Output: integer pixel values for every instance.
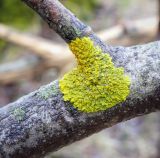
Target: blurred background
(32, 55)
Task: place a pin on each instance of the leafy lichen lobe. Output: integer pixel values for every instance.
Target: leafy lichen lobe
(95, 84)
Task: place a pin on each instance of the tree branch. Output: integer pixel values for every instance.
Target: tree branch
(42, 121)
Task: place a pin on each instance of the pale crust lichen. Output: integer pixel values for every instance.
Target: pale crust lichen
(19, 114)
(95, 84)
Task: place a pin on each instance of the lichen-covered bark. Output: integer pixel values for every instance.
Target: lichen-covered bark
(41, 121)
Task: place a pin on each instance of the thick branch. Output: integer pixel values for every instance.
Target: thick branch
(46, 123)
(41, 121)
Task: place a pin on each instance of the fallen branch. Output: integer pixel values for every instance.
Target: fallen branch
(42, 121)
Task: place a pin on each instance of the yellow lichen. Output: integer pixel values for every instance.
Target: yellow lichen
(95, 84)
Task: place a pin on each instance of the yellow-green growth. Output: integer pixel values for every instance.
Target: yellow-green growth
(95, 84)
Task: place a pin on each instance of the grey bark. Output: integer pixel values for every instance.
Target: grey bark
(42, 121)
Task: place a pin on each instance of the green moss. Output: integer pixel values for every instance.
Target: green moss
(95, 84)
(19, 114)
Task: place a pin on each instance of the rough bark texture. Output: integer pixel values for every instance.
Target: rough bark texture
(41, 121)
(59, 18)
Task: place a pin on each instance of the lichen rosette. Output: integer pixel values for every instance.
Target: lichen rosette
(95, 84)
